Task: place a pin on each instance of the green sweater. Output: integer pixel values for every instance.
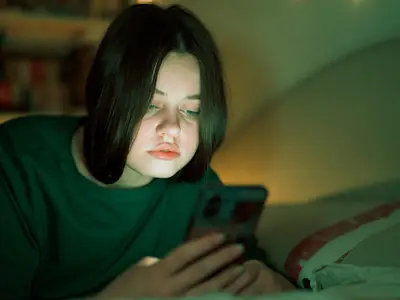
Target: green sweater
(63, 236)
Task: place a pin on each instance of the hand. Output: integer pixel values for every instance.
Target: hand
(257, 279)
(184, 272)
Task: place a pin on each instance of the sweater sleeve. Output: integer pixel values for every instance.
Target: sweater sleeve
(19, 254)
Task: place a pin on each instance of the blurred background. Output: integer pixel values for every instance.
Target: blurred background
(314, 85)
(46, 51)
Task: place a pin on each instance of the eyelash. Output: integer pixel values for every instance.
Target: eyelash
(152, 107)
(190, 113)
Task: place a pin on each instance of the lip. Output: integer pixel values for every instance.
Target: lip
(165, 151)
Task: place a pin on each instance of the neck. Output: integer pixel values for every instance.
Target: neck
(130, 178)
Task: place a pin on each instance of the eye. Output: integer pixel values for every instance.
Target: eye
(191, 113)
(152, 107)
(152, 110)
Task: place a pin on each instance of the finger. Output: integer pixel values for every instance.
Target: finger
(190, 252)
(208, 266)
(244, 282)
(217, 283)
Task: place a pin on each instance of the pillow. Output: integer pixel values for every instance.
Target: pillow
(302, 238)
(334, 243)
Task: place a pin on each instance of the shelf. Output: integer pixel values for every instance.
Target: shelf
(32, 31)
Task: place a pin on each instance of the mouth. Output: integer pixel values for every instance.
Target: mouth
(165, 152)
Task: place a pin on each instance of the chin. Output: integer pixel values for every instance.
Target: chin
(165, 175)
(163, 171)
(160, 169)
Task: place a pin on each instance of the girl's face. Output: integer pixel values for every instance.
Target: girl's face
(168, 135)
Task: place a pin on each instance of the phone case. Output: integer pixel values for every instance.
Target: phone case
(232, 210)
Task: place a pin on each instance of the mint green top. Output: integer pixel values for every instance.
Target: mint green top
(63, 236)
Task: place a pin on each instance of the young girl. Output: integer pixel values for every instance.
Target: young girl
(85, 200)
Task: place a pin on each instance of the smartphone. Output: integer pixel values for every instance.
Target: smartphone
(231, 209)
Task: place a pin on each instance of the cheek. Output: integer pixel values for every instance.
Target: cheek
(191, 134)
(145, 128)
(143, 134)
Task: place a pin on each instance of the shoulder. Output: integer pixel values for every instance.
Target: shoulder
(30, 134)
(32, 145)
(31, 148)
(28, 142)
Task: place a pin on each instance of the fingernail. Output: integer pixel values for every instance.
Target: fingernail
(239, 248)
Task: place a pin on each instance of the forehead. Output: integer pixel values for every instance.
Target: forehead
(179, 75)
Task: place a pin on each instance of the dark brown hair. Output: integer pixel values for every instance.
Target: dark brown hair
(122, 80)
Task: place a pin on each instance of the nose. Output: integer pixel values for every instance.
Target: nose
(169, 126)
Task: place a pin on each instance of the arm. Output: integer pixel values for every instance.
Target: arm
(19, 255)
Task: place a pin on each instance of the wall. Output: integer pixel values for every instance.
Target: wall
(336, 131)
(269, 46)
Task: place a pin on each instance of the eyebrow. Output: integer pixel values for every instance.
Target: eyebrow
(189, 97)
